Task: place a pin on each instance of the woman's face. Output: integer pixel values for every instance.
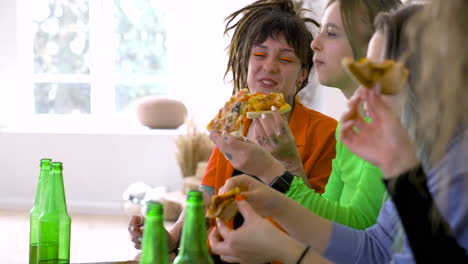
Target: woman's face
(330, 47)
(275, 68)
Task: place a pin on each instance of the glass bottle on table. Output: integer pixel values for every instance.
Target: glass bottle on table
(154, 249)
(194, 248)
(54, 222)
(37, 210)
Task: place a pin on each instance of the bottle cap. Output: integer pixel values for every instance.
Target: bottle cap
(156, 206)
(195, 195)
(56, 165)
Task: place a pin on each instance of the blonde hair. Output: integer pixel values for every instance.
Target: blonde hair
(363, 12)
(440, 34)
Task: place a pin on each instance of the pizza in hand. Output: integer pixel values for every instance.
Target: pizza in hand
(230, 117)
(390, 74)
(223, 205)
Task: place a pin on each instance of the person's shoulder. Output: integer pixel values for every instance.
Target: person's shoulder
(319, 119)
(322, 117)
(316, 116)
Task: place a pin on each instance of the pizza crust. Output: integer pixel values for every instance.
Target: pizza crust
(390, 74)
(258, 114)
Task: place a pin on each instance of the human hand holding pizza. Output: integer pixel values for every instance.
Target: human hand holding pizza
(227, 131)
(265, 200)
(272, 132)
(383, 142)
(247, 156)
(240, 246)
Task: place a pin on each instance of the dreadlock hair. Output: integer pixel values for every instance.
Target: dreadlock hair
(261, 20)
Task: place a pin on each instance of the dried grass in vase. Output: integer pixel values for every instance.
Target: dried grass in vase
(192, 147)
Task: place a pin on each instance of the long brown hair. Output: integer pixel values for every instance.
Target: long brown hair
(440, 33)
(363, 13)
(261, 20)
(392, 24)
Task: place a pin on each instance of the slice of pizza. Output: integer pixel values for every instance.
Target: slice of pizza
(390, 74)
(223, 205)
(260, 103)
(230, 117)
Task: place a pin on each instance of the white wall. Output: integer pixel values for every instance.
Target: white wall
(97, 167)
(7, 52)
(101, 161)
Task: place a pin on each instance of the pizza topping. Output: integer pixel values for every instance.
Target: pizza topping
(237, 107)
(230, 118)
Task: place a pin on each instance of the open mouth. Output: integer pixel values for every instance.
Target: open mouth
(267, 83)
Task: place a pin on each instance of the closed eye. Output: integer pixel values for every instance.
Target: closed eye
(287, 59)
(259, 54)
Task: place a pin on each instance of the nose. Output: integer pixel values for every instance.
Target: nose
(271, 65)
(316, 44)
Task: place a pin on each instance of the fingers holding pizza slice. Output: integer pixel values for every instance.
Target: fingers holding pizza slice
(223, 205)
(230, 117)
(390, 74)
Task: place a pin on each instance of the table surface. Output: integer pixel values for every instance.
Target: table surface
(118, 262)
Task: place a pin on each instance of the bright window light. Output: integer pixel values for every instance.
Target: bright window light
(92, 57)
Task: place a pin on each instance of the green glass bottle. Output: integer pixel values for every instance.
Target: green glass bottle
(154, 244)
(194, 249)
(37, 210)
(54, 222)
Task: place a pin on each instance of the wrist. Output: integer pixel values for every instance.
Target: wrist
(283, 182)
(272, 172)
(396, 168)
(290, 253)
(280, 202)
(174, 234)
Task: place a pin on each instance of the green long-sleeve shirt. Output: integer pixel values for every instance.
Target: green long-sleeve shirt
(353, 195)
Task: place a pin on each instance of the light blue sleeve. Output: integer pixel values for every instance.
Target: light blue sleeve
(372, 245)
(448, 182)
(381, 243)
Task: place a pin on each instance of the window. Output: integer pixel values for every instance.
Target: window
(95, 57)
(129, 48)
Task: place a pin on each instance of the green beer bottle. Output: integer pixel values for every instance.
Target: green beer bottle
(154, 245)
(37, 210)
(54, 222)
(194, 248)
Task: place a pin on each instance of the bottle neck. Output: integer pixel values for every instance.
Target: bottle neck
(42, 184)
(194, 235)
(55, 201)
(154, 244)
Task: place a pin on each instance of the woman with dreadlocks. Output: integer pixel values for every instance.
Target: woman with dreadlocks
(270, 53)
